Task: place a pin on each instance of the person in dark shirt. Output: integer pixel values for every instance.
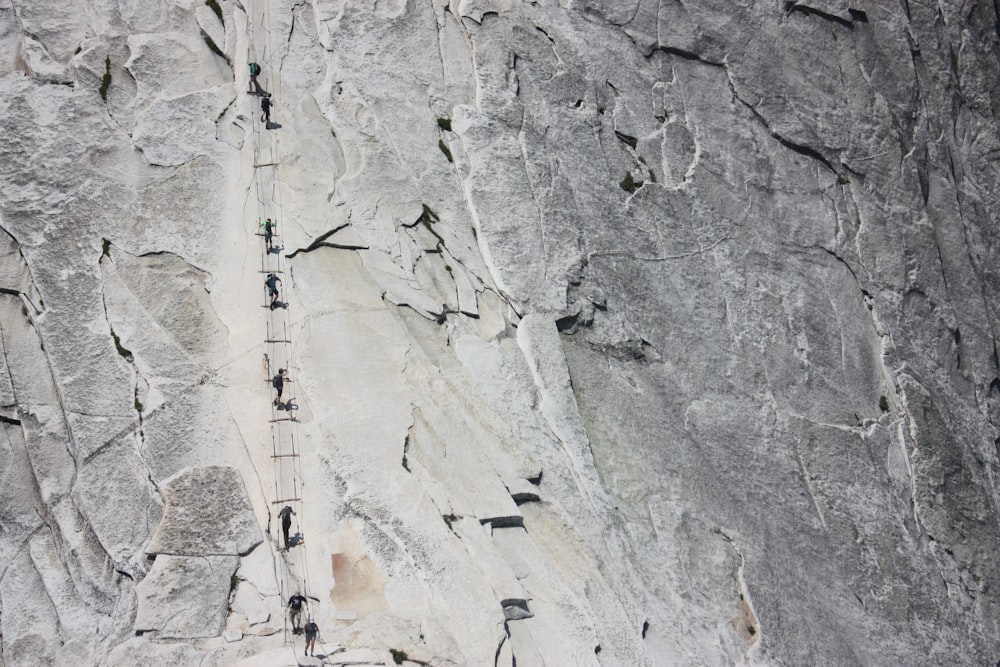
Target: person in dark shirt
(265, 108)
(272, 283)
(286, 522)
(278, 382)
(254, 73)
(311, 631)
(296, 604)
(268, 232)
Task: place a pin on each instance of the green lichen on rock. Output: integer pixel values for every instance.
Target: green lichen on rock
(106, 79)
(444, 149)
(214, 6)
(629, 184)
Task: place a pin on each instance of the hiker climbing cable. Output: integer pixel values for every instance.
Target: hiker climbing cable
(272, 283)
(278, 382)
(295, 607)
(286, 515)
(311, 631)
(268, 228)
(265, 108)
(254, 73)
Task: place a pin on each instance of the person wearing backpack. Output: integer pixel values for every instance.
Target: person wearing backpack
(268, 232)
(272, 283)
(254, 73)
(265, 108)
(278, 382)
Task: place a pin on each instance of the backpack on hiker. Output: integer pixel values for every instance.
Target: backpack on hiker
(254, 69)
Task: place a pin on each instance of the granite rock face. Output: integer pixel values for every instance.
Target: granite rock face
(173, 584)
(207, 513)
(624, 332)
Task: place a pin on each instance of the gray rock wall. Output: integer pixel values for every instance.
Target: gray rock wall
(624, 332)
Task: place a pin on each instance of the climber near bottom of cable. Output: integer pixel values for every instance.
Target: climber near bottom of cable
(312, 630)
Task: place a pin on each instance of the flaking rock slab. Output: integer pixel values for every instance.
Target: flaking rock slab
(207, 513)
(184, 597)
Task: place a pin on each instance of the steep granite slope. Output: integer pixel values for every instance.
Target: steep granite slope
(620, 332)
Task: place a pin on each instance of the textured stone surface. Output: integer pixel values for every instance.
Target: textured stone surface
(140, 650)
(185, 597)
(207, 513)
(698, 299)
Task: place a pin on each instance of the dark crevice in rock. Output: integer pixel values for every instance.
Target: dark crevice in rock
(957, 336)
(860, 175)
(214, 48)
(996, 16)
(492, 15)
(687, 55)
(845, 263)
(923, 179)
(631, 141)
(512, 521)
(803, 150)
(321, 242)
(338, 246)
(629, 184)
(645, 628)
(442, 317)
(427, 218)
(542, 30)
(31, 280)
(438, 318)
(537, 479)
(807, 151)
(791, 7)
(522, 497)
(567, 324)
(140, 381)
(214, 6)
(515, 609)
(19, 294)
(105, 79)
(10, 420)
(503, 640)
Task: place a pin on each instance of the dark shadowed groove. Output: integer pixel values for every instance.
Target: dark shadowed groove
(819, 13)
(338, 246)
(803, 150)
(996, 14)
(320, 241)
(688, 55)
